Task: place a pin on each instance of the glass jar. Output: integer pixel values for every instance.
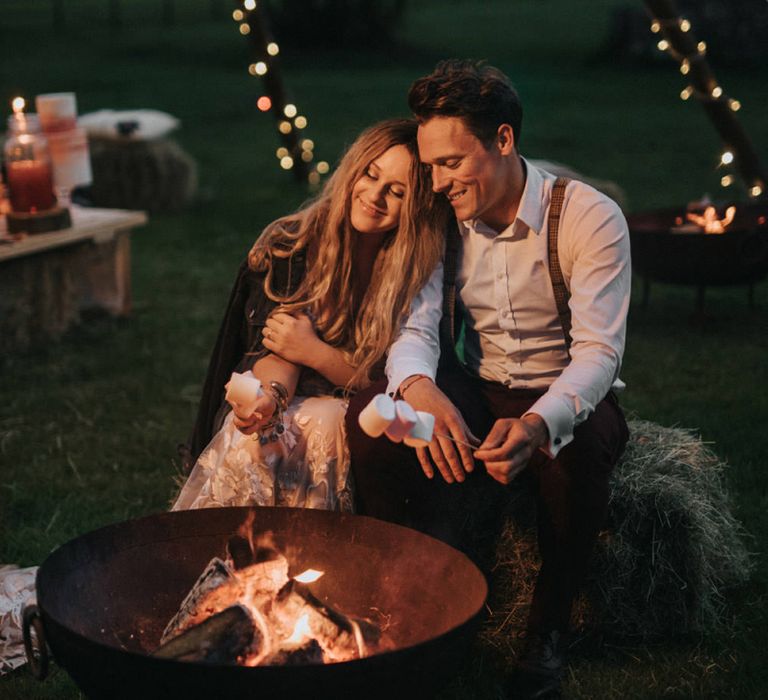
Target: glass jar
(29, 177)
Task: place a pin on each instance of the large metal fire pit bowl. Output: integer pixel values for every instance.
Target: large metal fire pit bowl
(105, 597)
(738, 256)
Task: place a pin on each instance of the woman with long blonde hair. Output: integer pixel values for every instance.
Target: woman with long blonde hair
(315, 307)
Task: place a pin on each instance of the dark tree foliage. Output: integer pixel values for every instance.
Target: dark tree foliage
(336, 23)
(735, 31)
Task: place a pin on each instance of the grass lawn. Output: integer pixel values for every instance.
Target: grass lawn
(89, 425)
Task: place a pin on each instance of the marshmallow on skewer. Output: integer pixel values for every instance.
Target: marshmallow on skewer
(420, 434)
(243, 390)
(378, 415)
(405, 419)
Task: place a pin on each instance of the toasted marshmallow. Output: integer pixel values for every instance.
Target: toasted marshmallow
(243, 391)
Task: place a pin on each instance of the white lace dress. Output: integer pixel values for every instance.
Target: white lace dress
(308, 467)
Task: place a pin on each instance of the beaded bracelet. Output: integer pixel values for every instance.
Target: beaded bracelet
(271, 431)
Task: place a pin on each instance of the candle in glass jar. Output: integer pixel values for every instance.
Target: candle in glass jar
(30, 185)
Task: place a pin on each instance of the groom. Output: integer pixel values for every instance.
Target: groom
(537, 272)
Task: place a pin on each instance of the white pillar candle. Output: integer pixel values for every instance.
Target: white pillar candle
(243, 390)
(57, 111)
(377, 416)
(420, 434)
(405, 419)
(70, 158)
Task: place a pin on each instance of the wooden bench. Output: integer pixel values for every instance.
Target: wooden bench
(48, 279)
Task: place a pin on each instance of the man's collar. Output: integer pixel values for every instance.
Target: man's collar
(530, 211)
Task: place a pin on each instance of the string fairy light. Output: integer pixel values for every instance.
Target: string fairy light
(675, 37)
(296, 154)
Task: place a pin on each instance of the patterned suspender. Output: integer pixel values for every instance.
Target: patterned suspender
(555, 272)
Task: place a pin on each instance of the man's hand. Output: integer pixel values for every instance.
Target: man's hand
(511, 444)
(424, 395)
(261, 415)
(291, 337)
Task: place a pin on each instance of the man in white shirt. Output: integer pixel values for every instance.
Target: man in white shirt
(539, 273)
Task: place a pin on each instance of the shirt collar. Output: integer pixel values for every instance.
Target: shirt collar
(530, 211)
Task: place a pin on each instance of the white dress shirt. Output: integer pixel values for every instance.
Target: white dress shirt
(513, 332)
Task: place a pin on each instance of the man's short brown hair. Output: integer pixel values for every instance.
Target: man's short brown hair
(479, 94)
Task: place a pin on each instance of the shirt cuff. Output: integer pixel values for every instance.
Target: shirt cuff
(399, 374)
(559, 420)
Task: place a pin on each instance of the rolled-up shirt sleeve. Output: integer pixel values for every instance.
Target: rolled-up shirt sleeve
(600, 282)
(416, 349)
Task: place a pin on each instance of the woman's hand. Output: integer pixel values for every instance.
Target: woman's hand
(291, 337)
(261, 415)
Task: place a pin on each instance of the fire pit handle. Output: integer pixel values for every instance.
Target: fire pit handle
(37, 652)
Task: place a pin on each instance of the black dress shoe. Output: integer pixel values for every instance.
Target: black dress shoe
(540, 668)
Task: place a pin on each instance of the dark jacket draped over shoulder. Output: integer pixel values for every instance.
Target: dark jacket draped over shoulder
(239, 342)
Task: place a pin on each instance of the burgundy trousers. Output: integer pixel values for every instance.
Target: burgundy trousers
(571, 490)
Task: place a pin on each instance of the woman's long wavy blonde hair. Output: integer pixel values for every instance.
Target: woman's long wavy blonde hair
(362, 328)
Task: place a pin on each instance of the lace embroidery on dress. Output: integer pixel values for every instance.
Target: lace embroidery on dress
(308, 467)
(17, 590)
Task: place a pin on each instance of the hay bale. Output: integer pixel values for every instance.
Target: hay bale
(154, 175)
(671, 550)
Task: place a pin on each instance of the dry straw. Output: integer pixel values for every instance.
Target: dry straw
(670, 552)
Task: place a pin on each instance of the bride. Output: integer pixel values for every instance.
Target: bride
(312, 313)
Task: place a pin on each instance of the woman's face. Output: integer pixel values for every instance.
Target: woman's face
(377, 197)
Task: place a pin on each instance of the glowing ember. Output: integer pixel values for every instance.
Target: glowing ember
(709, 220)
(309, 576)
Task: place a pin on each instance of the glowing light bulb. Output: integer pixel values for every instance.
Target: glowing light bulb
(685, 67)
(717, 92)
(273, 49)
(726, 158)
(286, 163)
(702, 47)
(290, 111)
(300, 122)
(735, 105)
(323, 167)
(726, 180)
(655, 26)
(259, 68)
(314, 178)
(307, 144)
(18, 104)
(282, 152)
(685, 25)
(306, 156)
(663, 45)
(238, 15)
(285, 127)
(249, 4)
(756, 191)
(264, 103)
(686, 93)
(245, 28)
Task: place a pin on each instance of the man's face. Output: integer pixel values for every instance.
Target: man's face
(464, 170)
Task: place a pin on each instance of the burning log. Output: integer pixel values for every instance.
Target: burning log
(223, 638)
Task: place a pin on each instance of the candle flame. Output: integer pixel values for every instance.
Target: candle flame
(301, 630)
(309, 576)
(18, 104)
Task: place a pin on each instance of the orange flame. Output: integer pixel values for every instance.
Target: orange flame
(709, 221)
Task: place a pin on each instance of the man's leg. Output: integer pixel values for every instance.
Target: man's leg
(390, 484)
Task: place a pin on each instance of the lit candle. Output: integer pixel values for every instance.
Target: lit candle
(30, 181)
